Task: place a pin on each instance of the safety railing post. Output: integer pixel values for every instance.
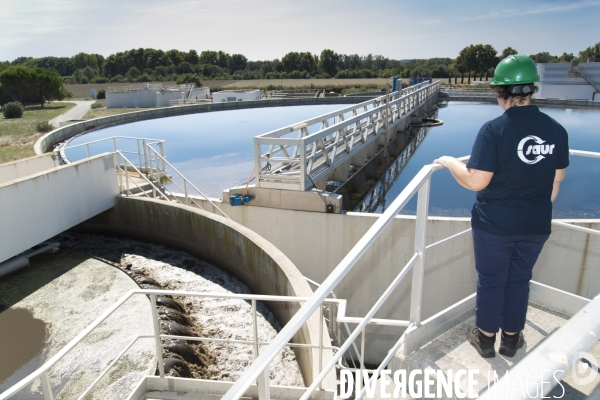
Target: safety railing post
(119, 175)
(303, 173)
(254, 328)
(420, 242)
(114, 142)
(87, 149)
(162, 156)
(139, 155)
(264, 385)
(185, 190)
(126, 178)
(145, 157)
(159, 357)
(320, 343)
(46, 388)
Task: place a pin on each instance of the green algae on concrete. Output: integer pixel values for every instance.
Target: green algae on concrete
(68, 291)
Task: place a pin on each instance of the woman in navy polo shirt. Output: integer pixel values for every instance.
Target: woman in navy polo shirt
(516, 166)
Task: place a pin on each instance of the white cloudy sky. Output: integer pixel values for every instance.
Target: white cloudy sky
(268, 29)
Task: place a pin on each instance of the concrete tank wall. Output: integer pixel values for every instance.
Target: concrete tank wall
(27, 166)
(317, 242)
(164, 97)
(46, 142)
(42, 205)
(226, 244)
(143, 97)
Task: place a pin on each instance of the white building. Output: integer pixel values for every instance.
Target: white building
(153, 95)
(181, 95)
(569, 81)
(236, 95)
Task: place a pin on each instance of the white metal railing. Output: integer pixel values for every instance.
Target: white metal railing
(134, 145)
(258, 370)
(418, 185)
(149, 174)
(323, 143)
(470, 93)
(42, 372)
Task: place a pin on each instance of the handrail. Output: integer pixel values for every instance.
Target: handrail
(151, 161)
(420, 184)
(111, 138)
(42, 371)
(185, 180)
(289, 330)
(310, 156)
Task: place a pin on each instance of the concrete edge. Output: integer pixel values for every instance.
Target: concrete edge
(45, 142)
(111, 223)
(49, 171)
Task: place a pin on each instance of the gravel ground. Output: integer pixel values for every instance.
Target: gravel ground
(217, 318)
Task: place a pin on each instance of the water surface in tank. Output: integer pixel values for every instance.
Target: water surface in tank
(579, 195)
(215, 151)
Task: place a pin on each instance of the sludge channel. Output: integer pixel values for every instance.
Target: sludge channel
(157, 267)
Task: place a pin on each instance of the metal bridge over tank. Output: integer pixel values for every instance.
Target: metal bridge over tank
(311, 152)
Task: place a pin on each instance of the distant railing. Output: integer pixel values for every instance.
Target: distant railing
(323, 143)
(470, 93)
(146, 172)
(122, 89)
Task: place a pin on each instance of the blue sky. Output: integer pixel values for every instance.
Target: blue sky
(268, 29)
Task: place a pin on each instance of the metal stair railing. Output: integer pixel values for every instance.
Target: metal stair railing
(575, 71)
(159, 163)
(151, 168)
(418, 185)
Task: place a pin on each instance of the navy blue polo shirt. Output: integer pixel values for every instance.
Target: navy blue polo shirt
(523, 148)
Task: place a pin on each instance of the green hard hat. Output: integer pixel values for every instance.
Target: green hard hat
(515, 70)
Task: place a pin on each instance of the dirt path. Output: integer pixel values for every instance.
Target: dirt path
(81, 108)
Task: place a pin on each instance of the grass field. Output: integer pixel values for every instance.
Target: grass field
(18, 135)
(107, 112)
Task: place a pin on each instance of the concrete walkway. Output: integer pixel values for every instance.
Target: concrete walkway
(81, 108)
(452, 352)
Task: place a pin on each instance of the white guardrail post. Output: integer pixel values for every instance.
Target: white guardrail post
(416, 295)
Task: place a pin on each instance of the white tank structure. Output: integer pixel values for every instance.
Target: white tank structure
(569, 81)
(150, 95)
(227, 96)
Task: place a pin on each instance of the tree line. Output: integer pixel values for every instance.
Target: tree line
(145, 65)
(30, 85)
(37, 80)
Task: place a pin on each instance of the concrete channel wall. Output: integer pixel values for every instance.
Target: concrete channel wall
(317, 242)
(28, 166)
(226, 244)
(42, 205)
(46, 142)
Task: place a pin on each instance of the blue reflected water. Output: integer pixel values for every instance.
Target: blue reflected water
(215, 151)
(579, 195)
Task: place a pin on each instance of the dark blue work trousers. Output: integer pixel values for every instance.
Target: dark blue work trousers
(504, 265)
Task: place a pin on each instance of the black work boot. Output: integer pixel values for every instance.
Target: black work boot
(510, 345)
(483, 344)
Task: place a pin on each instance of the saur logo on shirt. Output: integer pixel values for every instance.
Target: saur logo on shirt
(537, 149)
